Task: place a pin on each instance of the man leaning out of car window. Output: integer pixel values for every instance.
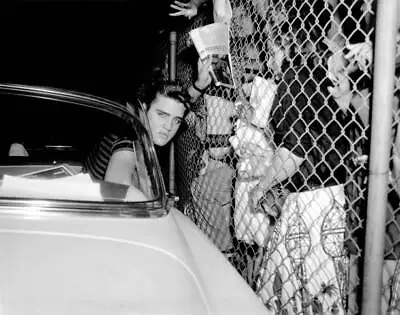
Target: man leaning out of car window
(115, 158)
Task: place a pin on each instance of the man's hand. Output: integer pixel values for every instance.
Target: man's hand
(188, 10)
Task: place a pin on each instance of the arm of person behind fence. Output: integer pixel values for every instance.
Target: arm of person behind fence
(203, 80)
(283, 165)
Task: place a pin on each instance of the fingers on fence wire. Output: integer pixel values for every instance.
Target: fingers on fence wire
(360, 54)
(255, 195)
(271, 203)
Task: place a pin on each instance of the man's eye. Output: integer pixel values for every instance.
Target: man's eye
(161, 114)
(178, 121)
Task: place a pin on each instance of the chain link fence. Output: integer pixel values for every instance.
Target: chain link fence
(300, 248)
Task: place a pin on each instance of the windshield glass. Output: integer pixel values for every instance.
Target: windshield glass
(59, 148)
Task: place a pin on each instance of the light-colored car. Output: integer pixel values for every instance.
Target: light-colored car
(70, 244)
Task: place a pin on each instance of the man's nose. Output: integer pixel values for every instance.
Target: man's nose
(168, 124)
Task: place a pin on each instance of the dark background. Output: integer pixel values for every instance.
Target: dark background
(99, 47)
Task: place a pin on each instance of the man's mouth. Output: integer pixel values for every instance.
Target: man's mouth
(163, 135)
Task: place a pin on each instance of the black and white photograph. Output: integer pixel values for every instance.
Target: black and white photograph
(198, 157)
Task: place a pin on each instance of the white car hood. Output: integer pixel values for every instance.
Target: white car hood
(88, 265)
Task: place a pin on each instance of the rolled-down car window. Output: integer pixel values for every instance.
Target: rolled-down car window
(56, 146)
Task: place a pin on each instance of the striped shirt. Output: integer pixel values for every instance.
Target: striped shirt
(97, 161)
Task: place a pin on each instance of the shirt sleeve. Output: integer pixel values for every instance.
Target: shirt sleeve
(122, 143)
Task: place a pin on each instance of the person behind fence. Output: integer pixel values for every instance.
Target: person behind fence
(305, 266)
(212, 193)
(210, 188)
(114, 157)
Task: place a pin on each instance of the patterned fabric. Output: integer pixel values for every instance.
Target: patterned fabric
(97, 161)
(305, 268)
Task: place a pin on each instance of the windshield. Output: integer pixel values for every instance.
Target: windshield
(58, 149)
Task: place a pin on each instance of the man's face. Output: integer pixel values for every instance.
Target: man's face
(165, 115)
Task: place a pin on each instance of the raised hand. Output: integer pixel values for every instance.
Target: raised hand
(188, 10)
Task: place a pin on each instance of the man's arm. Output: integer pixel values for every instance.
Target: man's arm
(120, 167)
(203, 79)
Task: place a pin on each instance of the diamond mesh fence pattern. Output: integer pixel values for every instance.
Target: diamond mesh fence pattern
(299, 113)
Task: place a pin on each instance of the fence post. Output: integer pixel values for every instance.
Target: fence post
(383, 76)
(172, 56)
(172, 78)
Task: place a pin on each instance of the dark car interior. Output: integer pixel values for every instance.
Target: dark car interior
(51, 130)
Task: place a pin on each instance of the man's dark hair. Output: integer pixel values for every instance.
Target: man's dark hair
(148, 92)
(168, 89)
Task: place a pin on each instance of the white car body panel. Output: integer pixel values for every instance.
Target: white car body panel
(68, 264)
